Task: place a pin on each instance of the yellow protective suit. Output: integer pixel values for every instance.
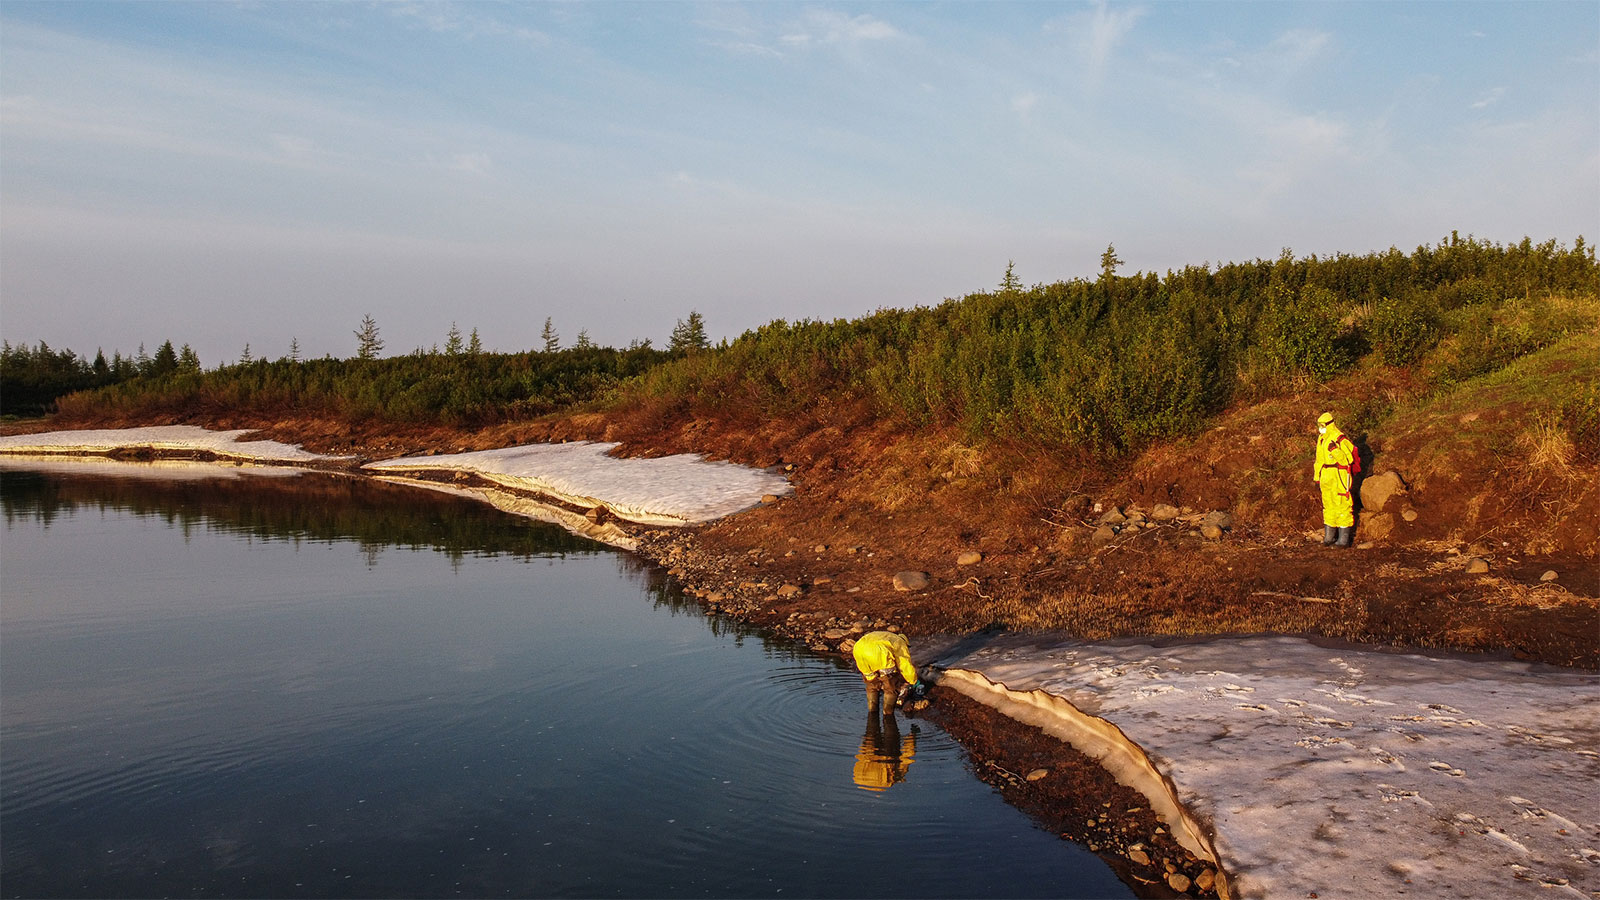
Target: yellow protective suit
(880, 650)
(1332, 472)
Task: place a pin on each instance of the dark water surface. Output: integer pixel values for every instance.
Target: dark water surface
(312, 685)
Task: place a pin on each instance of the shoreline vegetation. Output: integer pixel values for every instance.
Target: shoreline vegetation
(1122, 457)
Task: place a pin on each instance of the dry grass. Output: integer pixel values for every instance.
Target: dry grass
(1550, 450)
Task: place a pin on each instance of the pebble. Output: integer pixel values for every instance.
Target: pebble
(789, 590)
(1139, 857)
(1477, 565)
(1178, 881)
(769, 498)
(1105, 534)
(1549, 575)
(1409, 514)
(969, 558)
(1206, 881)
(1037, 774)
(1211, 532)
(1164, 512)
(910, 581)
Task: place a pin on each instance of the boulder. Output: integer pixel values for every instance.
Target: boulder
(1477, 565)
(1377, 490)
(1164, 512)
(911, 581)
(1377, 526)
(969, 558)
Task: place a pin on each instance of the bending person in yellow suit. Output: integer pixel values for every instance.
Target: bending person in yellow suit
(884, 660)
(1332, 471)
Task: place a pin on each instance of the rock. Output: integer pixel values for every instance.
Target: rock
(1377, 526)
(1549, 575)
(969, 558)
(1220, 518)
(1178, 882)
(593, 514)
(1164, 512)
(821, 580)
(1206, 880)
(820, 548)
(1139, 857)
(1477, 565)
(1112, 516)
(911, 581)
(1131, 526)
(769, 498)
(834, 634)
(1211, 531)
(1477, 550)
(1104, 534)
(1377, 490)
(716, 597)
(846, 645)
(1365, 545)
(789, 590)
(1037, 774)
(1409, 514)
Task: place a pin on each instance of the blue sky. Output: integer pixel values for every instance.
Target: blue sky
(223, 174)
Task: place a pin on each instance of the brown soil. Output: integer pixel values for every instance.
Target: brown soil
(872, 499)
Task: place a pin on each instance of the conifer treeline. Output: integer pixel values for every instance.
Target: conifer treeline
(1110, 363)
(1114, 363)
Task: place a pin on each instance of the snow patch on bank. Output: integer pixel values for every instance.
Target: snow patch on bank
(1325, 771)
(163, 437)
(670, 490)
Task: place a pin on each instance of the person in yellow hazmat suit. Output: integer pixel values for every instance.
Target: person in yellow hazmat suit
(885, 755)
(1334, 471)
(884, 660)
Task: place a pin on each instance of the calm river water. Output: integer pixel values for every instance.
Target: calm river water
(310, 685)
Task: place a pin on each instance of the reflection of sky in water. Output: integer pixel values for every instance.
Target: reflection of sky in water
(216, 713)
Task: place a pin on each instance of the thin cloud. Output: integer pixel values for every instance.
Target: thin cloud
(1489, 99)
(821, 27)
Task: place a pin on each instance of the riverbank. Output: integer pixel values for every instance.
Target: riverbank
(769, 566)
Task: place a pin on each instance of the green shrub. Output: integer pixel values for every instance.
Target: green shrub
(1402, 330)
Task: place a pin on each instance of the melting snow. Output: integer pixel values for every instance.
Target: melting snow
(671, 490)
(164, 437)
(1333, 772)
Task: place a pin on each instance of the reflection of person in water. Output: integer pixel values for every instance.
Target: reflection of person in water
(884, 755)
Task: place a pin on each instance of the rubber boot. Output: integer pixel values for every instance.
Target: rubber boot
(1329, 535)
(1346, 535)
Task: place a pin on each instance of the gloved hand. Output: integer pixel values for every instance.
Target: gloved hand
(919, 691)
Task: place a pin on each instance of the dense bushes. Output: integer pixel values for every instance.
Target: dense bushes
(1115, 363)
(1110, 364)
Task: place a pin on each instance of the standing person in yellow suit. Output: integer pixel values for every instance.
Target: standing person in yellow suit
(1334, 470)
(884, 660)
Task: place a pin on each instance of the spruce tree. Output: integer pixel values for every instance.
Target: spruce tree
(552, 341)
(689, 336)
(474, 346)
(368, 344)
(452, 341)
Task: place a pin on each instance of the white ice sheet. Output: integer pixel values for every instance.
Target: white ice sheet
(671, 490)
(1351, 772)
